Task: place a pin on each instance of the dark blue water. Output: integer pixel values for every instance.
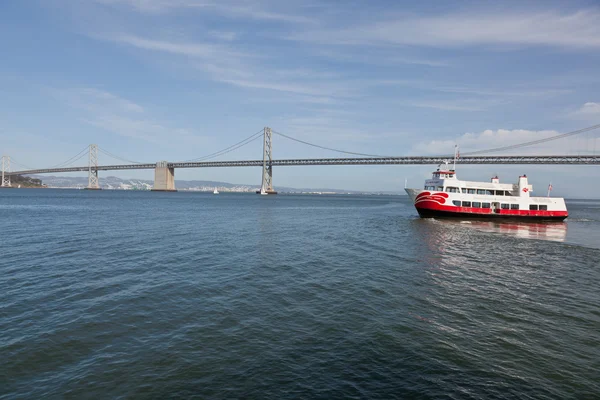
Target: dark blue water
(170, 295)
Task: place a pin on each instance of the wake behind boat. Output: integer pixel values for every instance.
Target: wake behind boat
(446, 196)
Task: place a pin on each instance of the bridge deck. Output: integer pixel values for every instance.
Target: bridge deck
(515, 160)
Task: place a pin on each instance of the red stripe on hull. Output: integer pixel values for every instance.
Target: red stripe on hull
(430, 209)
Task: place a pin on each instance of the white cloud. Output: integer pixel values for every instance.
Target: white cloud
(575, 30)
(588, 111)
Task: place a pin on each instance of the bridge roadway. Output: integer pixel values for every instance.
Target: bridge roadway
(465, 160)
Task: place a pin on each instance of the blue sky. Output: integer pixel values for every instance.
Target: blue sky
(173, 80)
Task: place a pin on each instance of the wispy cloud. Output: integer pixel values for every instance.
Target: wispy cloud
(240, 69)
(93, 99)
(525, 28)
(506, 91)
(254, 11)
(143, 129)
(119, 115)
(202, 50)
(230, 9)
(223, 35)
(376, 57)
(449, 105)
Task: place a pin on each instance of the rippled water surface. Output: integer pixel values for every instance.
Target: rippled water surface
(162, 295)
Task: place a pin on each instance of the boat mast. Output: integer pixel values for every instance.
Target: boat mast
(455, 156)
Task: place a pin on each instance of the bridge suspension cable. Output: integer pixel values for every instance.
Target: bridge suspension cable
(233, 147)
(539, 141)
(108, 153)
(71, 160)
(12, 160)
(327, 148)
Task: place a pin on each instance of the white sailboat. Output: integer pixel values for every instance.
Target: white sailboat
(215, 191)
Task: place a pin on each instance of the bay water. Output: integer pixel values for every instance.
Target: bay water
(122, 294)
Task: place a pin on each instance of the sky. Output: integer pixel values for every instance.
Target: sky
(151, 80)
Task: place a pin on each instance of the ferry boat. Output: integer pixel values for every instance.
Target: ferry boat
(444, 195)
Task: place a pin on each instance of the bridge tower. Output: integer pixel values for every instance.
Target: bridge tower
(267, 172)
(93, 168)
(5, 169)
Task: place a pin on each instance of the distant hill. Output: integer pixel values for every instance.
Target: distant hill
(25, 181)
(113, 182)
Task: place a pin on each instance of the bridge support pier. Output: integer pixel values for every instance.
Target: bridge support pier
(164, 178)
(267, 172)
(93, 169)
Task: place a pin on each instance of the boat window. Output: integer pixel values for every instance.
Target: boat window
(429, 187)
(452, 190)
(514, 206)
(476, 204)
(489, 192)
(471, 191)
(480, 191)
(466, 204)
(499, 192)
(463, 190)
(504, 206)
(485, 205)
(456, 202)
(533, 207)
(440, 188)
(543, 207)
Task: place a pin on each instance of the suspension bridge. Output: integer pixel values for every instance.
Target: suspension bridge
(164, 171)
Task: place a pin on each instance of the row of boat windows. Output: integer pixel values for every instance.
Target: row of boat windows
(504, 206)
(470, 191)
(475, 204)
